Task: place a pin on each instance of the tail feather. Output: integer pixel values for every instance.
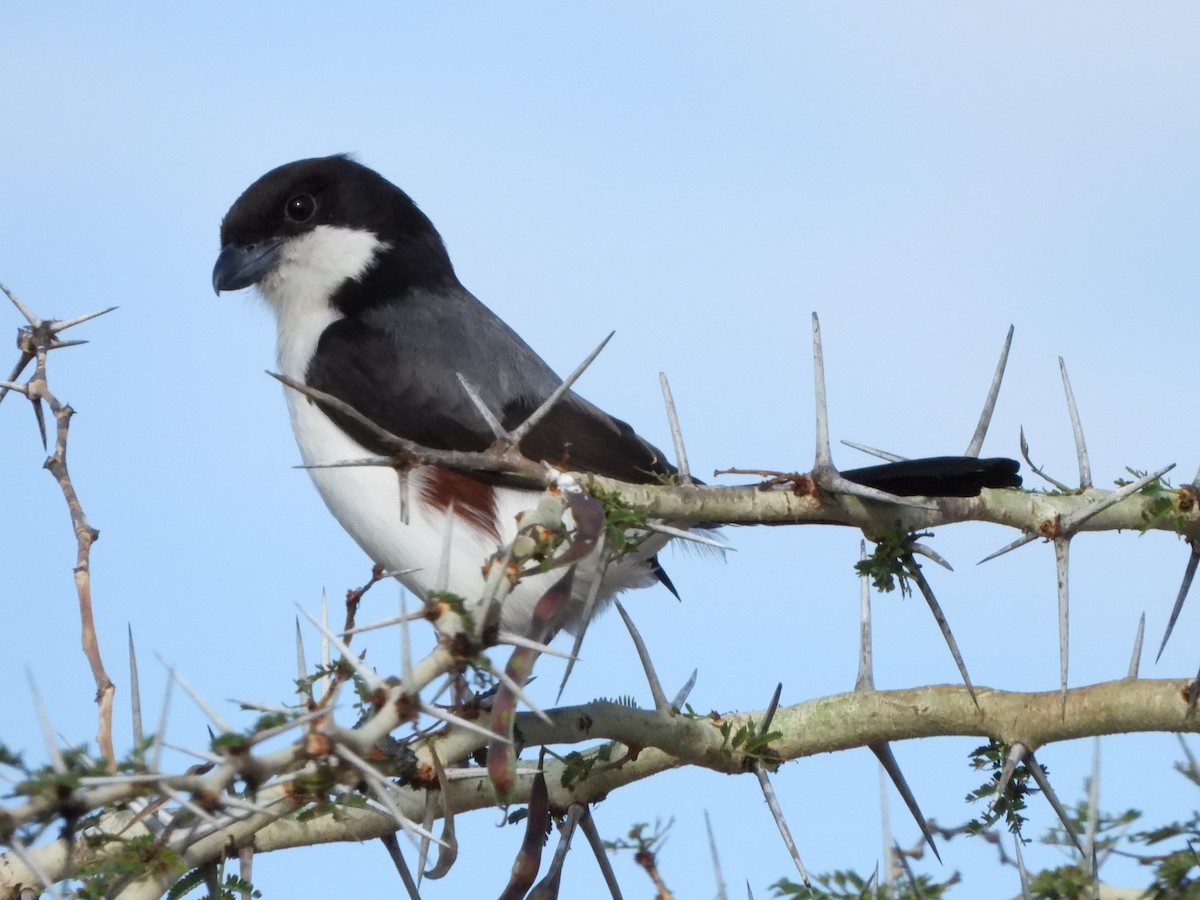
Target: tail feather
(939, 476)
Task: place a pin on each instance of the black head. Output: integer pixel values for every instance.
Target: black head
(329, 196)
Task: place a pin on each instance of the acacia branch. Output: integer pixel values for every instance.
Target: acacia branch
(655, 742)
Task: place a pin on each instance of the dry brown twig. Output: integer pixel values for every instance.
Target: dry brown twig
(35, 341)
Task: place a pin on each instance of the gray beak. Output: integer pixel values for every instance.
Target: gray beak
(241, 266)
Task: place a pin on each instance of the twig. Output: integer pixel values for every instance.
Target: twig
(35, 342)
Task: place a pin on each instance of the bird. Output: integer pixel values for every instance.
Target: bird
(368, 309)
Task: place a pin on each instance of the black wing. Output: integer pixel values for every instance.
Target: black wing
(398, 365)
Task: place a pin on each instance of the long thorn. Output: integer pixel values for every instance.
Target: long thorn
(24, 310)
(1039, 776)
(989, 405)
(930, 554)
(588, 825)
(589, 604)
(875, 451)
(1062, 549)
(681, 460)
(326, 668)
(1028, 537)
(1093, 814)
(160, 732)
(387, 622)
(56, 759)
(205, 706)
(488, 416)
(59, 325)
(301, 665)
(443, 576)
(780, 822)
(519, 433)
(371, 678)
(406, 670)
(685, 535)
(517, 691)
(1135, 659)
(135, 696)
(381, 788)
(1025, 887)
(943, 625)
(824, 458)
(656, 691)
(1016, 754)
(450, 719)
(865, 681)
(1085, 466)
(1189, 574)
(518, 640)
(393, 848)
(769, 715)
(681, 695)
(887, 759)
(716, 860)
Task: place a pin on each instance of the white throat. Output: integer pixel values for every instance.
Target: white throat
(311, 268)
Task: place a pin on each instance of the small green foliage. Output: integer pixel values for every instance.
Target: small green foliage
(851, 886)
(1173, 871)
(746, 740)
(231, 744)
(578, 766)
(123, 860)
(641, 838)
(11, 759)
(624, 527)
(992, 756)
(316, 787)
(891, 560)
(1109, 828)
(232, 887)
(52, 786)
(1173, 878)
(1152, 487)
(1162, 508)
(1063, 883)
(305, 685)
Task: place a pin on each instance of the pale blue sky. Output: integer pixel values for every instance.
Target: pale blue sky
(700, 178)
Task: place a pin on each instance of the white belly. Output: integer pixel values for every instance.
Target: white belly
(366, 501)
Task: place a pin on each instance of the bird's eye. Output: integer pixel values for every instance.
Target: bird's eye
(300, 208)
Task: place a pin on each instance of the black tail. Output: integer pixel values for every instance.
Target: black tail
(939, 476)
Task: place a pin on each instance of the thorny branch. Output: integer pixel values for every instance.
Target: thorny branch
(352, 767)
(34, 342)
